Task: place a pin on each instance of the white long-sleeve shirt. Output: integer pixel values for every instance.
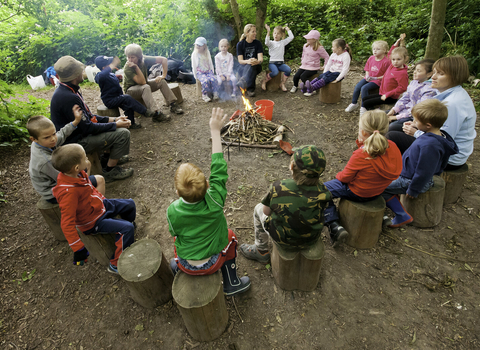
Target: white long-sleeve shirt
(276, 49)
(338, 63)
(224, 64)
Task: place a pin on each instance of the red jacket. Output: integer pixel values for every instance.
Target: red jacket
(395, 80)
(81, 206)
(368, 177)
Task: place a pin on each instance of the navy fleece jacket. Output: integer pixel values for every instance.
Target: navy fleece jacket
(109, 84)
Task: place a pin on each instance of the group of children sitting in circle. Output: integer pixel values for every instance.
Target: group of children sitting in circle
(432, 129)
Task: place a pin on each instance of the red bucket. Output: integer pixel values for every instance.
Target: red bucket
(265, 108)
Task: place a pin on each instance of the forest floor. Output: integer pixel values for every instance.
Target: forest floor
(402, 294)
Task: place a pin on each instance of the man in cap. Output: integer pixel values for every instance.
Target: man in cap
(94, 133)
(292, 211)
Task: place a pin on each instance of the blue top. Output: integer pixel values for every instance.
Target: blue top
(109, 84)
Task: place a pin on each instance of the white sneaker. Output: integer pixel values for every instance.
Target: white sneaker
(351, 107)
(293, 90)
(308, 94)
(362, 110)
(206, 98)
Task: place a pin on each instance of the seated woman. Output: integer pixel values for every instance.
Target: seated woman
(448, 75)
(139, 87)
(250, 57)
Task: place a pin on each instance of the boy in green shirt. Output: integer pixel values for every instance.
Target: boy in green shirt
(203, 242)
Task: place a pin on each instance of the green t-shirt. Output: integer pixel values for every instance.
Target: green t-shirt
(148, 61)
(297, 212)
(201, 228)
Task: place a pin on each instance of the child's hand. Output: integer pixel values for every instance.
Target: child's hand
(286, 28)
(409, 128)
(391, 113)
(217, 120)
(78, 114)
(115, 62)
(384, 97)
(403, 36)
(223, 77)
(267, 27)
(89, 167)
(391, 118)
(80, 257)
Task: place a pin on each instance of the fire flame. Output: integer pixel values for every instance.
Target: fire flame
(246, 102)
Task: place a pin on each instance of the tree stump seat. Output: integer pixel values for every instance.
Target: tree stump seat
(274, 83)
(198, 88)
(52, 215)
(454, 181)
(177, 92)
(107, 112)
(147, 273)
(331, 93)
(100, 246)
(96, 168)
(201, 303)
(363, 221)
(426, 209)
(297, 270)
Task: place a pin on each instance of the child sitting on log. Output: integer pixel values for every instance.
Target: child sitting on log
(44, 141)
(203, 242)
(202, 68)
(224, 69)
(427, 156)
(84, 207)
(292, 211)
(112, 94)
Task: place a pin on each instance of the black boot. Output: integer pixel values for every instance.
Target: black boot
(338, 234)
(231, 283)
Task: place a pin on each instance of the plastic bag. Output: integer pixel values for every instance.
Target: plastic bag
(36, 82)
(91, 73)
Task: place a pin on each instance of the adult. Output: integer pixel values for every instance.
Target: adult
(138, 86)
(94, 133)
(250, 57)
(449, 73)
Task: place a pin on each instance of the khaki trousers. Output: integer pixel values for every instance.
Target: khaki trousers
(144, 92)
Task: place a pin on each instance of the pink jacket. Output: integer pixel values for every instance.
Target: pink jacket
(311, 59)
(376, 68)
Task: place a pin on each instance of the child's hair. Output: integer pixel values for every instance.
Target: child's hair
(301, 179)
(64, 158)
(281, 30)
(247, 30)
(455, 67)
(315, 45)
(37, 124)
(402, 52)
(376, 124)
(343, 44)
(431, 111)
(134, 50)
(383, 45)
(427, 63)
(190, 182)
(223, 41)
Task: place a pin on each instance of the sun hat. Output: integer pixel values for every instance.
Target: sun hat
(201, 41)
(313, 34)
(68, 68)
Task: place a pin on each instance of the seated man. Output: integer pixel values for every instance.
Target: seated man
(94, 133)
(138, 86)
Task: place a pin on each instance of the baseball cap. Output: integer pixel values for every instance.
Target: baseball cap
(68, 68)
(102, 61)
(201, 41)
(310, 160)
(313, 34)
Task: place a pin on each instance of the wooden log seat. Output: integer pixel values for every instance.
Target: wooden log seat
(100, 246)
(108, 112)
(177, 92)
(51, 214)
(94, 159)
(201, 303)
(331, 93)
(198, 88)
(454, 181)
(147, 273)
(274, 83)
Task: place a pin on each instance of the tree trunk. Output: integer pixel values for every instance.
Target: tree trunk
(261, 15)
(435, 33)
(236, 17)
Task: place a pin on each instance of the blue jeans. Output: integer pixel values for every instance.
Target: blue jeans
(275, 68)
(400, 186)
(339, 189)
(362, 87)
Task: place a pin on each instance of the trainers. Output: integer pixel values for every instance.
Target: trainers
(362, 110)
(206, 98)
(251, 252)
(293, 90)
(112, 269)
(251, 93)
(160, 117)
(175, 108)
(351, 107)
(135, 126)
(308, 94)
(338, 234)
(117, 173)
(123, 159)
(386, 222)
(149, 113)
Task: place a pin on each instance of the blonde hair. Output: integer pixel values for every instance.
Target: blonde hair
(190, 182)
(281, 30)
(431, 111)
(455, 67)
(315, 45)
(66, 157)
(402, 52)
(37, 124)
(300, 178)
(223, 41)
(343, 44)
(376, 124)
(383, 45)
(247, 30)
(134, 50)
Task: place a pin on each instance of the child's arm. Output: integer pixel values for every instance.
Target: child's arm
(267, 37)
(400, 40)
(427, 163)
(218, 169)
(289, 38)
(216, 123)
(353, 166)
(229, 66)
(346, 66)
(323, 54)
(402, 85)
(69, 128)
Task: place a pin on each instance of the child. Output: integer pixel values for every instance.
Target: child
(374, 69)
(224, 68)
(84, 207)
(371, 168)
(203, 242)
(44, 140)
(292, 211)
(427, 156)
(395, 79)
(313, 51)
(276, 49)
(202, 68)
(335, 70)
(112, 93)
(418, 90)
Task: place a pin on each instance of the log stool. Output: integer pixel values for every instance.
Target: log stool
(147, 273)
(177, 92)
(426, 209)
(454, 181)
(201, 303)
(94, 159)
(331, 93)
(297, 270)
(363, 221)
(100, 246)
(108, 112)
(51, 214)
(274, 83)
(198, 88)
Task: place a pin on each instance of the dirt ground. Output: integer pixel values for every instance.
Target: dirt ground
(402, 294)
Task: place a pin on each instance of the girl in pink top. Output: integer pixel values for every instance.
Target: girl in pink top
(224, 69)
(313, 51)
(374, 69)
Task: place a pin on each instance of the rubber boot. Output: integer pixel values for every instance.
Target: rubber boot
(231, 283)
(282, 84)
(315, 84)
(401, 216)
(264, 81)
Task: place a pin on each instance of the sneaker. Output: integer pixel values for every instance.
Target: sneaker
(112, 269)
(351, 107)
(338, 234)
(175, 108)
(149, 113)
(135, 126)
(308, 94)
(233, 95)
(251, 93)
(160, 117)
(251, 252)
(117, 173)
(293, 90)
(302, 87)
(362, 110)
(206, 98)
(123, 159)
(386, 222)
